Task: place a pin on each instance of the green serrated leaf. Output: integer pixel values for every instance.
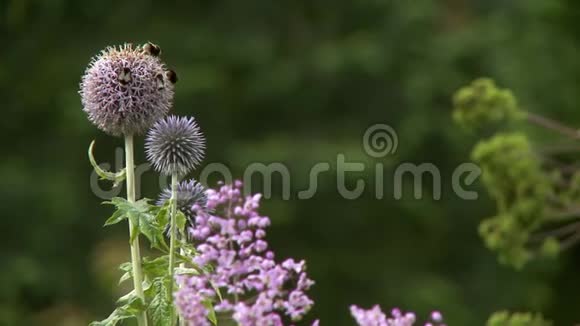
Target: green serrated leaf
(139, 207)
(125, 277)
(135, 212)
(126, 298)
(117, 178)
(136, 305)
(162, 214)
(126, 267)
(145, 219)
(117, 217)
(160, 309)
(142, 205)
(154, 232)
(116, 316)
(187, 250)
(132, 306)
(186, 271)
(152, 269)
(119, 202)
(134, 218)
(156, 268)
(180, 221)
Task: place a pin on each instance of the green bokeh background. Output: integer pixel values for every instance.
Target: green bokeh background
(296, 82)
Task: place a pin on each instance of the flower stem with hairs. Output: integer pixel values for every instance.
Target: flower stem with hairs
(173, 236)
(134, 243)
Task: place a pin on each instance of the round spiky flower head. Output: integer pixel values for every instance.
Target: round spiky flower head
(175, 145)
(191, 199)
(125, 90)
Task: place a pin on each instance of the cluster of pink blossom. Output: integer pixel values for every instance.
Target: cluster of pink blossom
(375, 317)
(242, 280)
(254, 290)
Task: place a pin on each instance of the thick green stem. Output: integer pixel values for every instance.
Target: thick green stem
(182, 265)
(135, 250)
(173, 239)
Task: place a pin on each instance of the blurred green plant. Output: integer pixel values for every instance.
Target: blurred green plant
(483, 103)
(514, 179)
(504, 318)
(536, 195)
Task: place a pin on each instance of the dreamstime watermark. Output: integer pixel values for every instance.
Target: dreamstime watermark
(379, 141)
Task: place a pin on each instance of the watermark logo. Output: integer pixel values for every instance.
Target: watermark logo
(378, 141)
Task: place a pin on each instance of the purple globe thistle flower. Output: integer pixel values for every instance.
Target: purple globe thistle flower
(175, 145)
(125, 90)
(191, 199)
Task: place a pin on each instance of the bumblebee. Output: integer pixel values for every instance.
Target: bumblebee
(125, 76)
(171, 76)
(152, 49)
(160, 81)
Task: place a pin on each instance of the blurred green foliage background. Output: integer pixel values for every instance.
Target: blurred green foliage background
(296, 82)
